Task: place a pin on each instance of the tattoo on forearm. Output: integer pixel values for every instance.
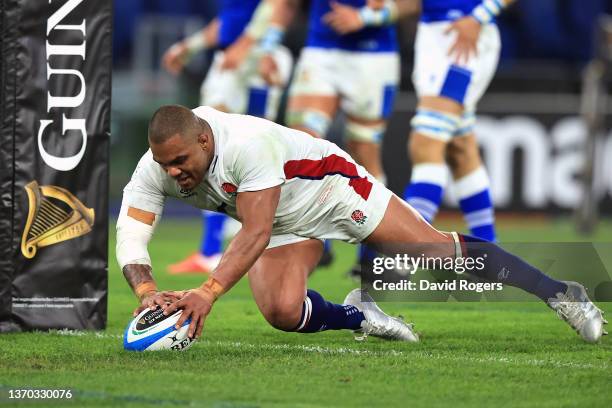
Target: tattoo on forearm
(136, 274)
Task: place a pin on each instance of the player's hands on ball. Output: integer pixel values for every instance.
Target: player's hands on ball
(343, 19)
(157, 299)
(196, 304)
(466, 44)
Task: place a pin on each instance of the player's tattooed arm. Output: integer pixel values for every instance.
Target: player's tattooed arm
(140, 279)
(138, 275)
(134, 230)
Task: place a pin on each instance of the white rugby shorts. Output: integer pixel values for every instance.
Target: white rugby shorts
(435, 73)
(243, 90)
(365, 81)
(351, 218)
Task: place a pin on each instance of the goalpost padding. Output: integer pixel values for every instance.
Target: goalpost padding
(54, 139)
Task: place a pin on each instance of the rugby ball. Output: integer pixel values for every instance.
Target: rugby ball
(151, 330)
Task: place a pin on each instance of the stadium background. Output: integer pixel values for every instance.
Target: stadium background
(532, 136)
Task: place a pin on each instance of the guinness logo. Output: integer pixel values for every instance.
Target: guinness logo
(54, 215)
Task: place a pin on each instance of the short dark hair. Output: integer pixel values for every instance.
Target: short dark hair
(170, 120)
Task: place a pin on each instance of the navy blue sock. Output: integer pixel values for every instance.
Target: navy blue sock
(366, 253)
(319, 315)
(502, 266)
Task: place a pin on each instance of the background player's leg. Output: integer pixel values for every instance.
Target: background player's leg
(278, 282)
(312, 114)
(212, 242)
(471, 185)
(362, 139)
(433, 125)
(471, 182)
(211, 246)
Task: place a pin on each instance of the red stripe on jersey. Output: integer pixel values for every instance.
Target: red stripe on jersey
(329, 166)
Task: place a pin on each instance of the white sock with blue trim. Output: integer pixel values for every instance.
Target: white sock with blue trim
(424, 193)
(473, 193)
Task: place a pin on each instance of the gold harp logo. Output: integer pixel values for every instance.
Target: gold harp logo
(54, 215)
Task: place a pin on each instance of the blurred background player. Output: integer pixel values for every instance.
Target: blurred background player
(456, 54)
(241, 33)
(350, 62)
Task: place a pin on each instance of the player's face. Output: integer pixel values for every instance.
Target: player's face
(185, 159)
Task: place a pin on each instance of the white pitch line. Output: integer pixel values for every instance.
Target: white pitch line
(353, 351)
(301, 347)
(418, 354)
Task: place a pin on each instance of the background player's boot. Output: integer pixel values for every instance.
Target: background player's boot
(377, 323)
(575, 307)
(364, 268)
(327, 257)
(195, 263)
(363, 271)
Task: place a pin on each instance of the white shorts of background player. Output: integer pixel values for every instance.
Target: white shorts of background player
(435, 73)
(243, 90)
(366, 82)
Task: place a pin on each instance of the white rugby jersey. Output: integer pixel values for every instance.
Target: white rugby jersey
(253, 154)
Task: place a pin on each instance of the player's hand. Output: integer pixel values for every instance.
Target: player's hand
(269, 70)
(376, 4)
(175, 58)
(465, 46)
(236, 53)
(196, 304)
(158, 299)
(343, 19)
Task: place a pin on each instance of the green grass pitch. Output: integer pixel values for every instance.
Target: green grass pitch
(471, 354)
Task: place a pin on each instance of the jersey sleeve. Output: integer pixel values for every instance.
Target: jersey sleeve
(259, 164)
(145, 189)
